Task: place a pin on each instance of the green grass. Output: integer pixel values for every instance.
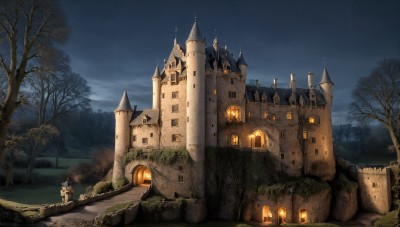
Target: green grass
(118, 207)
(37, 194)
(387, 221)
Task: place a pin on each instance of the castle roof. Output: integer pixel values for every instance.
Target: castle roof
(156, 73)
(151, 116)
(284, 94)
(124, 104)
(195, 34)
(325, 77)
(241, 60)
(222, 56)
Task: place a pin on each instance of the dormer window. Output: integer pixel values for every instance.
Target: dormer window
(173, 78)
(173, 64)
(144, 120)
(276, 99)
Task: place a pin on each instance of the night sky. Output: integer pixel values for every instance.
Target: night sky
(116, 44)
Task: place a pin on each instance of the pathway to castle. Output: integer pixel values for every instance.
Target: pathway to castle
(84, 215)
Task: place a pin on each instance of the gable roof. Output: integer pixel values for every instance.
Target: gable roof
(150, 114)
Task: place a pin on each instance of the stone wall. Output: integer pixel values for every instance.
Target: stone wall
(375, 186)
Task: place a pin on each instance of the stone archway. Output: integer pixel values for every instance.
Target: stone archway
(302, 216)
(266, 215)
(141, 175)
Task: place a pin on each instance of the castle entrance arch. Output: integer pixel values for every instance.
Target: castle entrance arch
(266, 215)
(302, 216)
(141, 175)
(258, 139)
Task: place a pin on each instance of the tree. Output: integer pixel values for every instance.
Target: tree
(25, 28)
(376, 97)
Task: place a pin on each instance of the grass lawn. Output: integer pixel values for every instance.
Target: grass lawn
(387, 220)
(47, 187)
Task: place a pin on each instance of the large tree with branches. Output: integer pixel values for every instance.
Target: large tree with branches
(26, 26)
(376, 97)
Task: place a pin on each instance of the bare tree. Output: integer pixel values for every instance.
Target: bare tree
(25, 27)
(376, 97)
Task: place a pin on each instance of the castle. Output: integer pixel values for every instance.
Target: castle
(201, 100)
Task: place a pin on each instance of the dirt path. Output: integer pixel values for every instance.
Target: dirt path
(86, 214)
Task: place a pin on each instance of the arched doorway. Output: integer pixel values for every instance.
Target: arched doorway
(302, 216)
(141, 175)
(266, 215)
(281, 215)
(258, 139)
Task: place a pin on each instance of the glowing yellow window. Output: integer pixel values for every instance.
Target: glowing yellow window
(273, 117)
(289, 116)
(265, 115)
(215, 91)
(311, 120)
(305, 135)
(234, 140)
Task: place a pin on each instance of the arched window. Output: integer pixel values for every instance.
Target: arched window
(258, 139)
(302, 216)
(311, 120)
(233, 113)
(234, 141)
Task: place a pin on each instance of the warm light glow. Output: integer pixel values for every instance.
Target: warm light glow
(289, 116)
(273, 117)
(305, 135)
(311, 120)
(235, 140)
(147, 175)
(281, 212)
(303, 215)
(233, 113)
(265, 115)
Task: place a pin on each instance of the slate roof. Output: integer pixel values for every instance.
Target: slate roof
(325, 77)
(284, 94)
(195, 34)
(156, 73)
(241, 60)
(124, 104)
(221, 56)
(150, 114)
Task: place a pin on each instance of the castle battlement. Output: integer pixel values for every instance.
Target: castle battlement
(373, 170)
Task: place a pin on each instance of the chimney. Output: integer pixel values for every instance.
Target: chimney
(292, 82)
(310, 80)
(275, 85)
(134, 108)
(257, 84)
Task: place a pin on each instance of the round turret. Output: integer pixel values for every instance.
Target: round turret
(123, 115)
(156, 89)
(242, 64)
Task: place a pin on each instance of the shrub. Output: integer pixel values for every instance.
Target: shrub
(102, 187)
(120, 183)
(43, 163)
(169, 157)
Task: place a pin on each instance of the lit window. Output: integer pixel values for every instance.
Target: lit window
(273, 117)
(311, 120)
(234, 140)
(215, 91)
(175, 122)
(305, 135)
(233, 113)
(180, 179)
(289, 116)
(175, 138)
(175, 95)
(145, 140)
(175, 108)
(265, 115)
(232, 94)
(249, 114)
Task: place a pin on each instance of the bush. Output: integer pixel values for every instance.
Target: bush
(102, 187)
(120, 183)
(43, 163)
(169, 157)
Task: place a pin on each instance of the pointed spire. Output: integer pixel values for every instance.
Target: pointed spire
(156, 73)
(124, 104)
(241, 60)
(325, 77)
(195, 34)
(175, 38)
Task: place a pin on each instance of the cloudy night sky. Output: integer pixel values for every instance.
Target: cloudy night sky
(115, 45)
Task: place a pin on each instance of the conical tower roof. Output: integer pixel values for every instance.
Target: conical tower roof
(156, 73)
(241, 60)
(325, 77)
(124, 104)
(195, 34)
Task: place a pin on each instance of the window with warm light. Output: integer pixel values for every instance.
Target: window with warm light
(234, 140)
(305, 135)
(273, 117)
(311, 120)
(215, 91)
(265, 115)
(233, 113)
(289, 116)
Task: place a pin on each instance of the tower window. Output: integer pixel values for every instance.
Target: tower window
(313, 140)
(173, 78)
(180, 179)
(175, 95)
(232, 81)
(305, 135)
(173, 64)
(194, 85)
(265, 115)
(232, 94)
(134, 138)
(175, 122)
(289, 116)
(175, 138)
(194, 73)
(187, 119)
(175, 108)
(374, 185)
(145, 141)
(151, 134)
(316, 151)
(187, 104)
(282, 134)
(311, 120)
(282, 156)
(163, 95)
(180, 168)
(273, 117)
(234, 140)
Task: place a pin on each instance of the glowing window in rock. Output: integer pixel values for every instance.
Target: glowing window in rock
(266, 215)
(303, 216)
(258, 139)
(233, 113)
(281, 215)
(311, 120)
(289, 116)
(141, 175)
(234, 140)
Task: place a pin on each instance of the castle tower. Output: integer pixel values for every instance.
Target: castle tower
(123, 115)
(242, 65)
(156, 89)
(195, 110)
(326, 86)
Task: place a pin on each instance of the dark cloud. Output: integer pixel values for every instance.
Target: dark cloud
(115, 44)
